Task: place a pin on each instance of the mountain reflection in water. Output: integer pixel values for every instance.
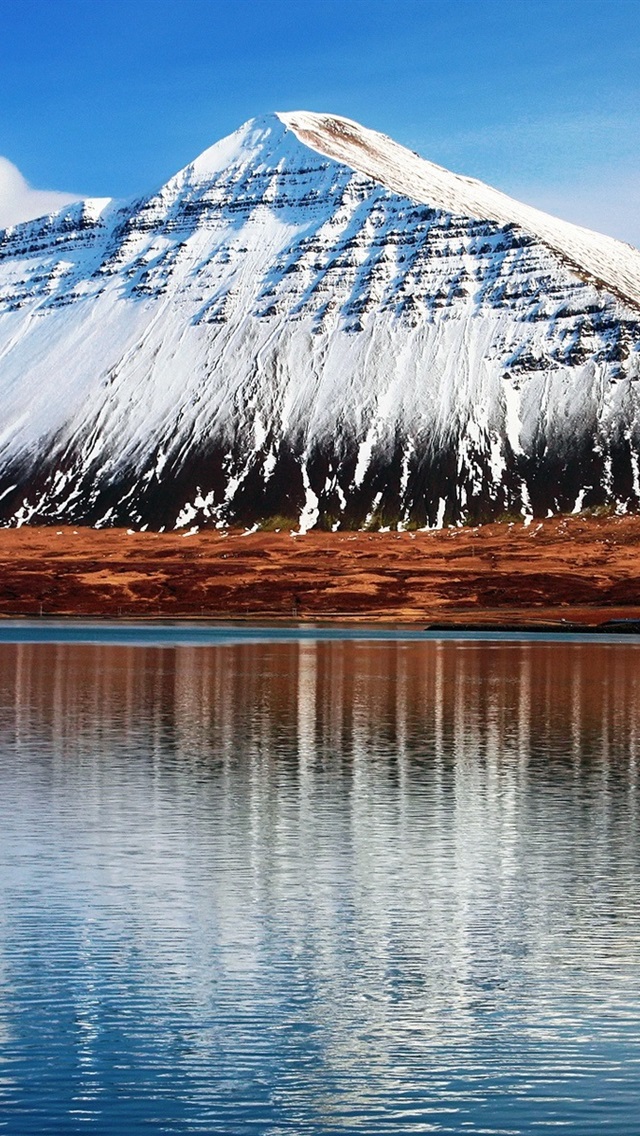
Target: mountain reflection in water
(320, 887)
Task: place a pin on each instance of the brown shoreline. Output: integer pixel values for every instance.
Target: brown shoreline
(582, 570)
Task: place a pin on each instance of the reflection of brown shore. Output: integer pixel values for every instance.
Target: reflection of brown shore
(329, 701)
(576, 568)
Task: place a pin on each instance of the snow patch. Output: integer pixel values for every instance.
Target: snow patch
(310, 511)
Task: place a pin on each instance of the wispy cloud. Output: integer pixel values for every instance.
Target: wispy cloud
(542, 135)
(584, 168)
(20, 202)
(611, 205)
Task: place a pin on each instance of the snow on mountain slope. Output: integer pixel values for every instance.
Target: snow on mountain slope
(611, 262)
(311, 323)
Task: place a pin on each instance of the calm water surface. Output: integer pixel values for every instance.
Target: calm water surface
(320, 887)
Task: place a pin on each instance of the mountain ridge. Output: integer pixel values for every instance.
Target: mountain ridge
(342, 139)
(463, 194)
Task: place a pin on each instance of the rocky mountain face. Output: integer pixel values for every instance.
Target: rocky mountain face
(310, 326)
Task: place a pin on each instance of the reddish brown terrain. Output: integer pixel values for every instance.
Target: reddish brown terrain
(585, 569)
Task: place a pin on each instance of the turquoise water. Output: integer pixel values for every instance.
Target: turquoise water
(296, 885)
(183, 633)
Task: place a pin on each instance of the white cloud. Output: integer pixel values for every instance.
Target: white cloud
(19, 202)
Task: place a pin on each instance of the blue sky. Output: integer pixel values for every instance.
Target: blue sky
(538, 97)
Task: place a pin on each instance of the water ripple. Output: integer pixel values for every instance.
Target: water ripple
(319, 888)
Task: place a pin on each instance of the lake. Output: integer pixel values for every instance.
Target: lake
(272, 884)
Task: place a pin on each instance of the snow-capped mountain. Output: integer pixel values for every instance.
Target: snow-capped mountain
(310, 325)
